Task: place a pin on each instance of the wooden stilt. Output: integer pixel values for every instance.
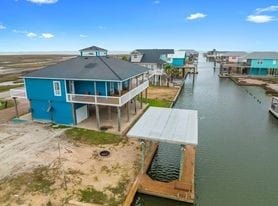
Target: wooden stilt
(127, 110)
(73, 114)
(109, 113)
(135, 106)
(141, 100)
(146, 94)
(181, 162)
(15, 106)
(119, 118)
(97, 116)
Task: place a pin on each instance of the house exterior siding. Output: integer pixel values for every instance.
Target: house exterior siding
(178, 62)
(262, 66)
(45, 106)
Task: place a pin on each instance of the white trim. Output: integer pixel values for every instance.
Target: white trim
(106, 92)
(25, 88)
(65, 86)
(58, 92)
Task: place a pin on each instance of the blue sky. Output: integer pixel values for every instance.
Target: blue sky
(66, 25)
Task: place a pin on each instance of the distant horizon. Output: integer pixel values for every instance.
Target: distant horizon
(113, 52)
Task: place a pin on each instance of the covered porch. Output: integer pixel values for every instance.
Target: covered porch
(113, 119)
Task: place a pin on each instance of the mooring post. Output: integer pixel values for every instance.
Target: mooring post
(16, 109)
(143, 148)
(182, 162)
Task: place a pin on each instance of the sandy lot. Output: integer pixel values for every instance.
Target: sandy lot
(165, 93)
(32, 173)
(259, 82)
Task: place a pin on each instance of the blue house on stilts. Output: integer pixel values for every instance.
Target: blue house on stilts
(63, 93)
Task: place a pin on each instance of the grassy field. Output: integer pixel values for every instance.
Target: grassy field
(161, 96)
(4, 104)
(12, 67)
(8, 87)
(92, 137)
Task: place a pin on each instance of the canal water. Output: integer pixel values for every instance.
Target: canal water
(237, 154)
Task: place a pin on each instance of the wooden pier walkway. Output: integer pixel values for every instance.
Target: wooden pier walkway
(181, 190)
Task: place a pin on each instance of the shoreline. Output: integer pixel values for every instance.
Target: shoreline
(258, 82)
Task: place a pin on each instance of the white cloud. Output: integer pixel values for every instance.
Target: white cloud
(2, 27)
(43, 1)
(31, 35)
(267, 9)
(47, 35)
(101, 27)
(260, 19)
(20, 31)
(83, 35)
(196, 16)
(156, 2)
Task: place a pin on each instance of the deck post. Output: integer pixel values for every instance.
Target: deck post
(15, 106)
(109, 113)
(135, 107)
(97, 116)
(119, 118)
(182, 162)
(127, 110)
(141, 100)
(146, 94)
(73, 114)
(143, 148)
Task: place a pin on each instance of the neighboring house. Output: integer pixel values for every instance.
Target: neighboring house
(177, 60)
(263, 63)
(152, 59)
(93, 51)
(61, 93)
(233, 56)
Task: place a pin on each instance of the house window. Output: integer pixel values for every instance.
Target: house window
(274, 62)
(135, 56)
(57, 88)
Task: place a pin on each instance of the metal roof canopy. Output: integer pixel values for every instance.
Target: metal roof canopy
(176, 126)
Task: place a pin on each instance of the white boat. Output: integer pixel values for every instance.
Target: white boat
(274, 106)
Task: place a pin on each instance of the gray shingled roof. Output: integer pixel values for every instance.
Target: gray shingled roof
(93, 48)
(90, 68)
(153, 55)
(262, 55)
(234, 54)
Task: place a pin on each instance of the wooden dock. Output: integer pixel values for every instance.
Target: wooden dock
(181, 190)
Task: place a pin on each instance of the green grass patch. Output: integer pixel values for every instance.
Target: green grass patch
(91, 195)
(8, 78)
(92, 137)
(40, 180)
(4, 104)
(59, 126)
(8, 87)
(157, 102)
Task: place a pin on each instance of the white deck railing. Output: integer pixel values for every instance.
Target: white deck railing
(132, 93)
(18, 93)
(107, 100)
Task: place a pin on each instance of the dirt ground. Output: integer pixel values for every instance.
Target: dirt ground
(9, 113)
(269, 84)
(165, 93)
(33, 173)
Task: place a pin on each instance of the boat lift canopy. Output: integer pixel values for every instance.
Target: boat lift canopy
(177, 126)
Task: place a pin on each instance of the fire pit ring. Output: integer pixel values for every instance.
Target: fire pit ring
(104, 153)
